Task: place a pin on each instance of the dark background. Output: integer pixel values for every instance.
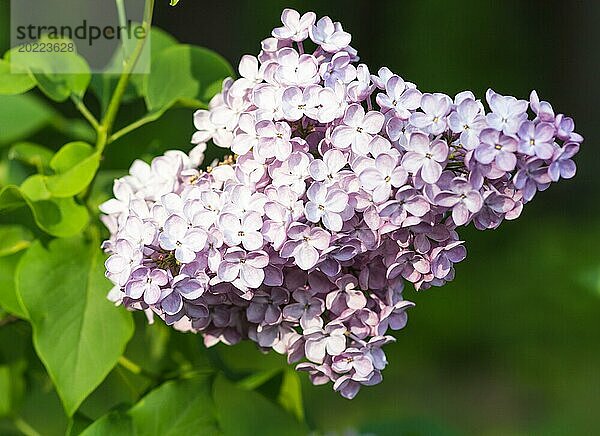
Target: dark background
(512, 345)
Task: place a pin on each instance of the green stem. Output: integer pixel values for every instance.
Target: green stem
(105, 128)
(155, 116)
(24, 427)
(150, 118)
(136, 369)
(82, 108)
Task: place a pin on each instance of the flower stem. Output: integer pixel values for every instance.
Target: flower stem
(134, 368)
(82, 108)
(115, 101)
(24, 427)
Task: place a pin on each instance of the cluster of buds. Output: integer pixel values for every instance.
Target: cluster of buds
(346, 185)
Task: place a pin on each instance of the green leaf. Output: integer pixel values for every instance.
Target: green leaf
(14, 238)
(290, 396)
(32, 154)
(243, 412)
(8, 291)
(174, 2)
(160, 41)
(16, 81)
(77, 424)
(115, 424)
(257, 379)
(21, 116)
(77, 333)
(61, 217)
(58, 75)
(175, 408)
(75, 166)
(13, 172)
(184, 72)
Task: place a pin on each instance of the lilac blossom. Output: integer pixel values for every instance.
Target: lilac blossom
(329, 35)
(358, 129)
(498, 148)
(425, 157)
(344, 187)
(463, 199)
(325, 204)
(185, 241)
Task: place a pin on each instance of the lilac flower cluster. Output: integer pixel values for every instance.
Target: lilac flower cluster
(345, 185)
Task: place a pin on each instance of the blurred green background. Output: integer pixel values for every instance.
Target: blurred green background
(512, 345)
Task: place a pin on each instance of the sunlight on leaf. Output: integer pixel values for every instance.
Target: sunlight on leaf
(80, 336)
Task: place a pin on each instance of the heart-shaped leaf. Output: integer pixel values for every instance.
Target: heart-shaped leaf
(61, 217)
(13, 239)
(77, 332)
(32, 154)
(184, 72)
(21, 116)
(75, 166)
(175, 408)
(8, 291)
(239, 408)
(58, 75)
(14, 80)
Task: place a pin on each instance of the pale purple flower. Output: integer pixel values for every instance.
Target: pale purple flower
(433, 118)
(138, 232)
(243, 230)
(292, 172)
(330, 104)
(531, 177)
(425, 157)
(296, 102)
(327, 170)
(267, 99)
(146, 282)
(329, 35)
(185, 241)
(408, 206)
(339, 69)
(294, 69)
(326, 205)
(305, 245)
(507, 112)
(358, 129)
(384, 175)
(462, 199)
(274, 140)
(536, 139)
(183, 288)
(355, 361)
(244, 270)
(467, 120)
(307, 310)
(329, 342)
(247, 137)
(497, 147)
(562, 165)
(361, 88)
(265, 308)
(565, 127)
(295, 27)
(399, 98)
(119, 265)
